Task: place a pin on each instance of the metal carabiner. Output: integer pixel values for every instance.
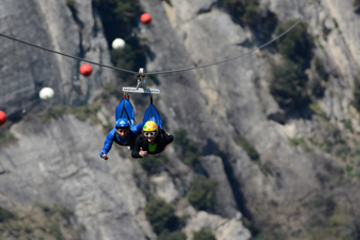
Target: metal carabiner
(141, 79)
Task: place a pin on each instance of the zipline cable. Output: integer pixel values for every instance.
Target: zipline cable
(170, 71)
(66, 55)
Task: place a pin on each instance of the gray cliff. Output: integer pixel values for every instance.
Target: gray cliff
(277, 194)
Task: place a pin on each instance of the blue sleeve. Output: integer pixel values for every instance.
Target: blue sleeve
(108, 142)
(136, 129)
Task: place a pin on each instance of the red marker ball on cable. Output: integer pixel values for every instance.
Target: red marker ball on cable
(2, 118)
(85, 70)
(145, 18)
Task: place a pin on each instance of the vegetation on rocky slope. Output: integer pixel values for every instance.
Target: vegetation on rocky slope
(299, 81)
(245, 11)
(290, 83)
(356, 94)
(57, 111)
(176, 235)
(6, 137)
(356, 5)
(290, 86)
(202, 193)
(161, 216)
(325, 216)
(39, 222)
(187, 149)
(248, 148)
(153, 164)
(248, 13)
(203, 234)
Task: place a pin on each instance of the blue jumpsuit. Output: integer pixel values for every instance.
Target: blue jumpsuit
(114, 137)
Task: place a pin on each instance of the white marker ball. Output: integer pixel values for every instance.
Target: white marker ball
(118, 43)
(46, 93)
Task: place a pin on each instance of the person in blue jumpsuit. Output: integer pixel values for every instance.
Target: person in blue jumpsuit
(125, 132)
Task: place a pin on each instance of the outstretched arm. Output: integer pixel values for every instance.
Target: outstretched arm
(107, 145)
(137, 147)
(168, 138)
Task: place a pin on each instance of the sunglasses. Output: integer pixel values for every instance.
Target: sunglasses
(149, 134)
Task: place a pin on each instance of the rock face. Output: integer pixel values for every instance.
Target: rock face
(58, 162)
(226, 203)
(64, 170)
(38, 68)
(223, 228)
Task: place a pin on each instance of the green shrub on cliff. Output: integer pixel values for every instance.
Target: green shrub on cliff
(203, 234)
(38, 222)
(249, 13)
(189, 153)
(288, 86)
(82, 112)
(177, 235)
(290, 83)
(151, 163)
(248, 147)
(124, 11)
(161, 216)
(202, 193)
(6, 215)
(356, 5)
(295, 46)
(356, 94)
(6, 137)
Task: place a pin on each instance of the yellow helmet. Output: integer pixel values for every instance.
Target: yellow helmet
(150, 126)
